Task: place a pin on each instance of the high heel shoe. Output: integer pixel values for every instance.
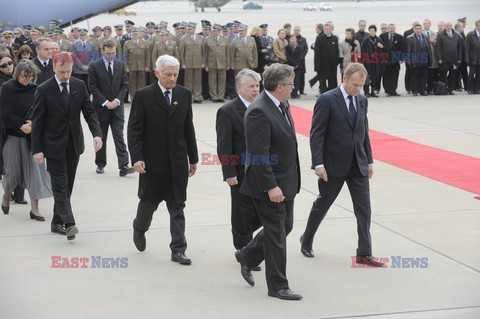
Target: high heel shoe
(37, 217)
(5, 209)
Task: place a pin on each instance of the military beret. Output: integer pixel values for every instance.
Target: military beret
(264, 26)
(129, 22)
(150, 24)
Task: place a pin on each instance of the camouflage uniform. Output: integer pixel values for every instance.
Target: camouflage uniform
(217, 59)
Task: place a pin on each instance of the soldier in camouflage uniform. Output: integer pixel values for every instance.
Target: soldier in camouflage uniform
(137, 54)
(217, 61)
(191, 59)
(164, 46)
(97, 41)
(64, 45)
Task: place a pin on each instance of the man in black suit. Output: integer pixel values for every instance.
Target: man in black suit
(404, 49)
(449, 52)
(326, 59)
(393, 46)
(272, 179)
(294, 58)
(57, 135)
(302, 43)
(162, 144)
(472, 57)
(231, 151)
(108, 81)
(44, 59)
(418, 60)
(341, 152)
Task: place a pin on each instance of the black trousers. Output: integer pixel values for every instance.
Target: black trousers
(432, 77)
(181, 77)
(359, 188)
(270, 244)
(205, 86)
(418, 80)
(245, 219)
(474, 78)
(144, 217)
(450, 79)
(296, 83)
(327, 84)
(462, 75)
(301, 83)
(407, 80)
(374, 84)
(230, 92)
(116, 121)
(62, 174)
(390, 78)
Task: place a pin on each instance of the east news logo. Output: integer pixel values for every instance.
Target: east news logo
(396, 262)
(85, 262)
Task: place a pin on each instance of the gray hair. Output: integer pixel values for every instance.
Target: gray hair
(166, 60)
(352, 68)
(275, 75)
(240, 78)
(39, 41)
(26, 68)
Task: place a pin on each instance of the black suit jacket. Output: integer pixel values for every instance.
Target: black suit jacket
(231, 138)
(396, 47)
(472, 48)
(104, 90)
(269, 136)
(418, 56)
(45, 73)
(52, 123)
(294, 56)
(449, 50)
(333, 138)
(164, 138)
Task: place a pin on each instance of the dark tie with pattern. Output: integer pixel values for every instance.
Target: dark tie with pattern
(167, 98)
(65, 95)
(110, 73)
(351, 110)
(284, 112)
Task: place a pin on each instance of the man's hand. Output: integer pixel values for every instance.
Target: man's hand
(440, 61)
(147, 70)
(139, 167)
(184, 66)
(370, 171)
(97, 143)
(112, 105)
(380, 45)
(85, 67)
(232, 181)
(206, 68)
(192, 170)
(321, 173)
(27, 127)
(38, 158)
(276, 195)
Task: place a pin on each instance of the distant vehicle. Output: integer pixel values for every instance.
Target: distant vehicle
(202, 4)
(325, 7)
(310, 7)
(125, 11)
(250, 5)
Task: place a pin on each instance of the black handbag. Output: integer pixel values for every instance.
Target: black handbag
(439, 88)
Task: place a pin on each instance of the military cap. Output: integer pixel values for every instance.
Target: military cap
(27, 27)
(264, 26)
(287, 25)
(58, 31)
(243, 27)
(157, 28)
(164, 23)
(150, 24)
(50, 33)
(217, 26)
(462, 20)
(34, 31)
(75, 29)
(107, 28)
(97, 28)
(236, 23)
(135, 30)
(55, 22)
(7, 33)
(83, 31)
(229, 25)
(42, 28)
(118, 27)
(191, 25)
(129, 22)
(225, 28)
(164, 33)
(205, 22)
(142, 29)
(176, 25)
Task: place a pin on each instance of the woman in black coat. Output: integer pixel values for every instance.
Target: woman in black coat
(371, 48)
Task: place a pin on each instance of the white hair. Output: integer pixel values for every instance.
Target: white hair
(166, 60)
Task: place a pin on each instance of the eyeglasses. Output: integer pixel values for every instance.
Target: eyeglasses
(291, 84)
(3, 66)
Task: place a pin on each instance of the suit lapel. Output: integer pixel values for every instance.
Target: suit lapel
(341, 104)
(175, 103)
(159, 98)
(276, 112)
(360, 110)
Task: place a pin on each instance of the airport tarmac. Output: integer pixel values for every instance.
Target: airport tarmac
(414, 216)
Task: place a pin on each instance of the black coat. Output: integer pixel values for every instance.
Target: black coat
(15, 102)
(45, 72)
(360, 36)
(294, 56)
(418, 55)
(104, 90)
(261, 57)
(52, 123)
(164, 138)
(393, 49)
(333, 138)
(231, 138)
(449, 50)
(370, 48)
(302, 43)
(267, 134)
(472, 48)
(327, 56)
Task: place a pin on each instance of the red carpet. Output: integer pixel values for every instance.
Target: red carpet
(451, 168)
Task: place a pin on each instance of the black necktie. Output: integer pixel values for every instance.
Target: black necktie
(351, 110)
(45, 64)
(83, 44)
(391, 39)
(65, 95)
(167, 97)
(110, 73)
(284, 112)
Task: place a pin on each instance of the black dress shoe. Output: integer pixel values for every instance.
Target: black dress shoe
(256, 268)
(100, 170)
(197, 101)
(72, 230)
(395, 94)
(424, 94)
(307, 252)
(285, 294)
(373, 95)
(244, 269)
(58, 229)
(221, 101)
(126, 170)
(37, 217)
(471, 92)
(415, 94)
(451, 93)
(303, 93)
(139, 239)
(21, 201)
(6, 209)
(181, 259)
(369, 261)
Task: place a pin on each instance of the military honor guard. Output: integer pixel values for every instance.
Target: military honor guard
(217, 61)
(137, 55)
(191, 60)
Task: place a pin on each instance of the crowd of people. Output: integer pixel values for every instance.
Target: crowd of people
(48, 79)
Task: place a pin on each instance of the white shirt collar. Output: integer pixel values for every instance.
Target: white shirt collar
(345, 97)
(164, 89)
(244, 101)
(60, 84)
(274, 99)
(42, 61)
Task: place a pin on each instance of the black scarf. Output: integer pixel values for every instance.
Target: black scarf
(352, 43)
